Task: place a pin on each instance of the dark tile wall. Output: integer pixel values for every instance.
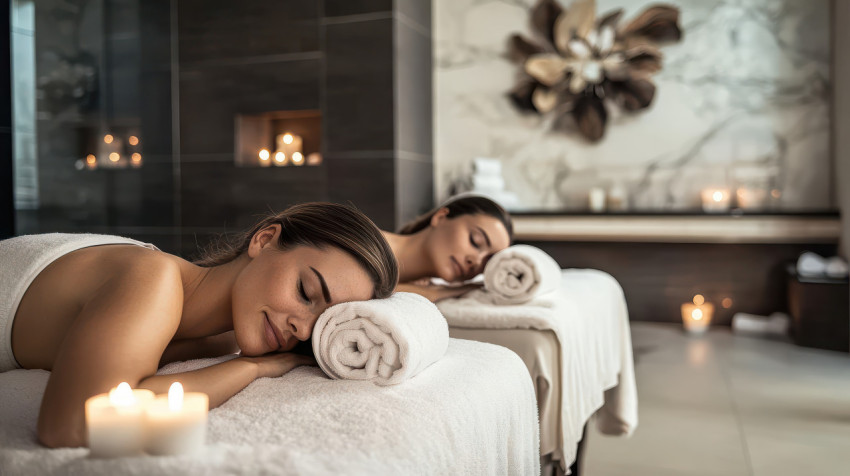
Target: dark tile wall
(365, 64)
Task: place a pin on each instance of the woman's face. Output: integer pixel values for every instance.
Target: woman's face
(279, 295)
(459, 247)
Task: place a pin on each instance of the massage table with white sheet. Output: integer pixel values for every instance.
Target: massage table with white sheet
(472, 412)
(580, 365)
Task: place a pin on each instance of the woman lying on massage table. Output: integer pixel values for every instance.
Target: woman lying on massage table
(452, 242)
(99, 315)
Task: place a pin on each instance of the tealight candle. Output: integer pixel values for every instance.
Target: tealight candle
(115, 421)
(696, 316)
(715, 200)
(177, 423)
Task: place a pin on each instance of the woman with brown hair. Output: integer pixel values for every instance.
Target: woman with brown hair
(452, 242)
(96, 315)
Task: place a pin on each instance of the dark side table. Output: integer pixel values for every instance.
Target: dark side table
(820, 309)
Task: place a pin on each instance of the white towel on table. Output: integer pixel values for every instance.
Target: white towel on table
(590, 318)
(519, 274)
(472, 413)
(386, 341)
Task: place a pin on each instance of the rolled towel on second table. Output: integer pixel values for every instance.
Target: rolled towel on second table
(519, 274)
(386, 341)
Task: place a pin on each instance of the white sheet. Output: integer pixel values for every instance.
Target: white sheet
(590, 319)
(472, 412)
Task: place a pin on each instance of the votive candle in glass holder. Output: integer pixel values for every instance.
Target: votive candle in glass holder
(177, 422)
(115, 421)
(596, 199)
(715, 199)
(696, 315)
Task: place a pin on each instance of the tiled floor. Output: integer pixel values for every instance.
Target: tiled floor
(730, 405)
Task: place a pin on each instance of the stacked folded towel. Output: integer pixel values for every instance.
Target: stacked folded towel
(519, 274)
(386, 341)
(487, 180)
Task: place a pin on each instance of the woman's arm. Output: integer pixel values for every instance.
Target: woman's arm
(188, 349)
(224, 380)
(436, 293)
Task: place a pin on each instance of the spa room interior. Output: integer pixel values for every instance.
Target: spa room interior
(675, 173)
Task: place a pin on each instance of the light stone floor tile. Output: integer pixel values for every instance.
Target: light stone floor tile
(729, 404)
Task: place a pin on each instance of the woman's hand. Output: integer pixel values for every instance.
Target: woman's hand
(277, 364)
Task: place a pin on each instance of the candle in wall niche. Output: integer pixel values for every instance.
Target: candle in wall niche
(115, 421)
(596, 199)
(696, 315)
(715, 199)
(177, 422)
(289, 144)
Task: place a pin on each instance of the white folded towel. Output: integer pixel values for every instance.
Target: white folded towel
(519, 274)
(485, 166)
(386, 341)
(486, 183)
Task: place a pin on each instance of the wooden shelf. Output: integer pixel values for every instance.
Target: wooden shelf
(679, 229)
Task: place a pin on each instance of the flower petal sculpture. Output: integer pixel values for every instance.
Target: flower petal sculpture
(580, 63)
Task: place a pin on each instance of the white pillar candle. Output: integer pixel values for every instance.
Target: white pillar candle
(715, 199)
(696, 315)
(115, 422)
(596, 199)
(177, 423)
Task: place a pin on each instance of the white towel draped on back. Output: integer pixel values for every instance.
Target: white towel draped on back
(386, 341)
(519, 274)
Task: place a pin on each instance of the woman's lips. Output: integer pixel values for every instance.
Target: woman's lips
(271, 338)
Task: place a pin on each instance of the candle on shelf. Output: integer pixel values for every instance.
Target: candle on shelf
(715, 199)
(115, 421)
(177, 423)
(289, 144)
(596, 199)
(751, 197)
(696, 315)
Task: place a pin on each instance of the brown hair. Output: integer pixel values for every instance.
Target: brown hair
(463, 205)
(320, 224)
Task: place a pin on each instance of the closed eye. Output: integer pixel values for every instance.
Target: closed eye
(472, 240)
(302, 293)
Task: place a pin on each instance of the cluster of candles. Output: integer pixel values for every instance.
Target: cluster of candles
(111, 154)
(720, 199)
(127, 422)
(288, 151)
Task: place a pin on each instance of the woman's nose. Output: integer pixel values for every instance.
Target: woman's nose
(299, 327)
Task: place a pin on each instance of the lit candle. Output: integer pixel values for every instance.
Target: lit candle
(696, 316)
(715, 199)
(751, 197)
(177, 423)
(115, 421)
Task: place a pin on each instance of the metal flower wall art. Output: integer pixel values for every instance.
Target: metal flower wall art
(579, 66)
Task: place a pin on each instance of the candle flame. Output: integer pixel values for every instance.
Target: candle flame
(122, 395)
(696, 314)
(717, 196)
(264, 154)
(279, 157)
(287, 138)
(175, 397)
(297, 157)
(699, 299)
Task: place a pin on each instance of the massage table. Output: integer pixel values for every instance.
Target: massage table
(593, 353)
(473, 412)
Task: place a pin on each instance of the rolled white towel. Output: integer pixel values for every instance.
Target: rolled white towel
(386, 341)
(519, 274)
